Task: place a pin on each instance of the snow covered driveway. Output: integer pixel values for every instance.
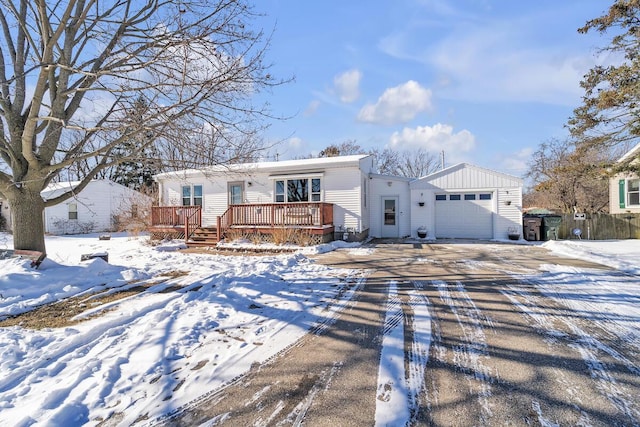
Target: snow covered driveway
(455, 334)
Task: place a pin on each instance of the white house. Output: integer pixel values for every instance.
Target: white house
(462, 201)
(93, 209)
(341, 181)
(624, 188)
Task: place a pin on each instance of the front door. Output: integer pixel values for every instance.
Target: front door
(236, 193)
(390, 225)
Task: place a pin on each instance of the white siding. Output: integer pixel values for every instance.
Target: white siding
(379, 189)
(422, 216)
(506, 204)
(464, 176)
(96, 205)
(341, 185)
(509, 213)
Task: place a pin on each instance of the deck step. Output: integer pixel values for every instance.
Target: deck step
(203, 236)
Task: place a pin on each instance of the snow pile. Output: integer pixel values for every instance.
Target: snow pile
(621, 255)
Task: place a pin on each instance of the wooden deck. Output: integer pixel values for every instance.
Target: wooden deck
(259, 220)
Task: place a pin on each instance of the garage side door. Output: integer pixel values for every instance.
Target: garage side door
(464, 216)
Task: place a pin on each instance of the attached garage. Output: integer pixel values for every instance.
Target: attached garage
(463, 215)
(467, 202)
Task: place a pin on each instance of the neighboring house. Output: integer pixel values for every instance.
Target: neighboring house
(339, 198)
(624, 188)
(93, 209)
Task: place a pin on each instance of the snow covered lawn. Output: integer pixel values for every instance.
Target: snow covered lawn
(190, 323)
(193, 319)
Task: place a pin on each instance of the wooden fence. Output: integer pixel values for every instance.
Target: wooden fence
(601, 226)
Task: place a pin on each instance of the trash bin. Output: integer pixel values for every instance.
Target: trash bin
(551, 227)
(531, 227)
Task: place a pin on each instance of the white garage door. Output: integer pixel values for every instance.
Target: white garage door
(464, 216)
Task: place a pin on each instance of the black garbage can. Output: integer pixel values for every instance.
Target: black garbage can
(531, 227)
(551, 227)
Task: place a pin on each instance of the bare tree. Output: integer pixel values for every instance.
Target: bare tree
(70, 71)
(567, 179)
(195, 145)
(345, 148)
(408, 163)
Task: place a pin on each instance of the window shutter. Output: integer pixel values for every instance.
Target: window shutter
(621, 193)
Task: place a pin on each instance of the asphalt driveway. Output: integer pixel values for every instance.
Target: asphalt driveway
(501, 353)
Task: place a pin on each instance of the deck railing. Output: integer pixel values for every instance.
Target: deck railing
(314, 214)
(279, 214)
(272, 215)
(176, 216)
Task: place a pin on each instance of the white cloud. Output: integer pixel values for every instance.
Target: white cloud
(481, 66)
(347, 85)
(497, 58)
(312, 108)
(517, 163)
(399, 104)
(295, 143)
(435, 139)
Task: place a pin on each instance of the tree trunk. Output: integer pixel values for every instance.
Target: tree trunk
(27, 210)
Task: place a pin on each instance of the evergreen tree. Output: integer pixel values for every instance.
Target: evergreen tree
(610, 112)
(136, 170)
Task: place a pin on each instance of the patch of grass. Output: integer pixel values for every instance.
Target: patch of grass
(61, 314)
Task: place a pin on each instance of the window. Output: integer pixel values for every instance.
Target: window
(298, 190)
(440, 197)
(197, 195)
(192, 195)
(389, 212)
(186, 195)
(364, 191)
(315, 189)
(454, 197)
(279, 191)
(485, 196)
(469, 196)
(633, 192)
(73, 211)
(236, 193)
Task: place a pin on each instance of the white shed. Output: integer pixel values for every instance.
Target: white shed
(93, 209)
(466, 201)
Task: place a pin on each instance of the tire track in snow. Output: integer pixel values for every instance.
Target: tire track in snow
(392, 400)
(402, 364)
(588, 346)
(420, 345)
(473, 348)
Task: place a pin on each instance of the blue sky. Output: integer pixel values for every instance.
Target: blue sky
(486, 81)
